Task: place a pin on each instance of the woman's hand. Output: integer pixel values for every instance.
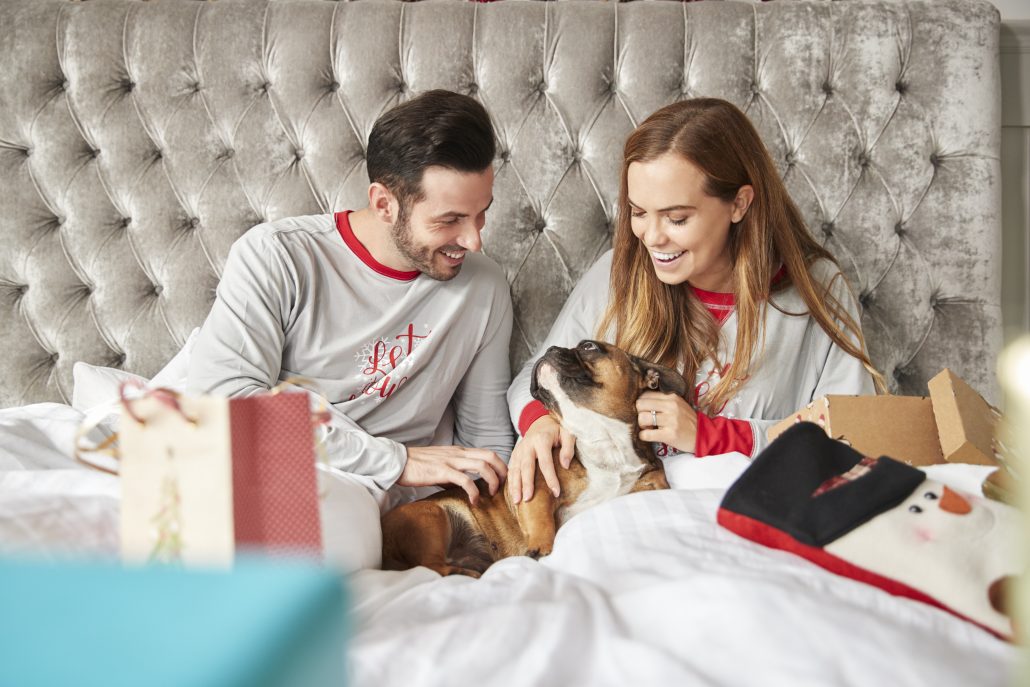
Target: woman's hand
(667, 419)
(537, 447)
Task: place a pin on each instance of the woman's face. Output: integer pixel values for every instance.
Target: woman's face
(685, 230)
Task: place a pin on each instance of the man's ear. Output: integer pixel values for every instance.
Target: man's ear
(660, 378)
(383, 203)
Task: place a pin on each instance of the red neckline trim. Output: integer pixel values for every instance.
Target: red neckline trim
(714, 297)
(358, 248)
(719, 298)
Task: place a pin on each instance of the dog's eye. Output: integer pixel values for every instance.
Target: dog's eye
(588, 346)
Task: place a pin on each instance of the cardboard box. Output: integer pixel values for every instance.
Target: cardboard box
(966, 423)
(954, 424)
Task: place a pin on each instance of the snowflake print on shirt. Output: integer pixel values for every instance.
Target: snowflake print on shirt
(382, 363)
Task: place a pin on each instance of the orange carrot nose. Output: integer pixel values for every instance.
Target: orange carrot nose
(954, 503)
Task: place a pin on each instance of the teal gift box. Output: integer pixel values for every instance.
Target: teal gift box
(261, 624)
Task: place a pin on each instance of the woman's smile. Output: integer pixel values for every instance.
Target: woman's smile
(669, 209)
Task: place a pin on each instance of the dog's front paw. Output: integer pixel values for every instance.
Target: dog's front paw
(458, 570)
(540, 550)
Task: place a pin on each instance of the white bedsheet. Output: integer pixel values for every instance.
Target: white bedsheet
(644, 590)
(648, 590)
(39, 436)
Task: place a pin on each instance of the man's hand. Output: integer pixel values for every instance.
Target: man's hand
(442, 465)
(537, 447)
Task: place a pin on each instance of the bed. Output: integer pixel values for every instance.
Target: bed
(138, 140)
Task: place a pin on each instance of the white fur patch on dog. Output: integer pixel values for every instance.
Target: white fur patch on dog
(604, 446)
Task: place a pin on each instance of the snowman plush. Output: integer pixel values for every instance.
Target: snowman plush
(879, 521)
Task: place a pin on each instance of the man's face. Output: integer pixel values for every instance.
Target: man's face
(435, 233)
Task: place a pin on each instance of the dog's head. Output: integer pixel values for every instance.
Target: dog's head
(600, 379)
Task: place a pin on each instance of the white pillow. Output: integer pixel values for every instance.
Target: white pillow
(95, 386)
(173, 375)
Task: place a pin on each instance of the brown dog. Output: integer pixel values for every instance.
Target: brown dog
(592, 390)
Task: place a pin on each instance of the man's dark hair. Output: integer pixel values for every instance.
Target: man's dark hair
(436, 128)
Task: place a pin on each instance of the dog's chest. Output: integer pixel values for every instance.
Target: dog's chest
(605, 448)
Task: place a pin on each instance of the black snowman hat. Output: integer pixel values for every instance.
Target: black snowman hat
(817, 489)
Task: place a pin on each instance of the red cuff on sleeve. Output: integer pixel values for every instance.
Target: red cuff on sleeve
(533, 411)
(722, 435)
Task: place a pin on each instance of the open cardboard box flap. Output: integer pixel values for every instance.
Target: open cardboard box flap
(955, 424)
(965, 421)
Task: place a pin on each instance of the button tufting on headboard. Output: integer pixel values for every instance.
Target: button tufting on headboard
(138, 140)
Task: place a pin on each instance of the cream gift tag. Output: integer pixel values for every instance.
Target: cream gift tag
(177, 491)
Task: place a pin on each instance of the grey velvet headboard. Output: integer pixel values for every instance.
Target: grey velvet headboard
(139, 139)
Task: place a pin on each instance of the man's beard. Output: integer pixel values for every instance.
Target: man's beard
(420, 255)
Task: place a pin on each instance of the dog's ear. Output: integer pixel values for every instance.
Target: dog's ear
(661, 378)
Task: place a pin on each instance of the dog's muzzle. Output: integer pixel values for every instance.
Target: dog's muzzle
(567, 365)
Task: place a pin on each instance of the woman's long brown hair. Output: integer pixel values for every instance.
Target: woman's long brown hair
(668, 323)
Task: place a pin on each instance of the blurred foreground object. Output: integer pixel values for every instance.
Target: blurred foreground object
(90, 625)
(1014, 375)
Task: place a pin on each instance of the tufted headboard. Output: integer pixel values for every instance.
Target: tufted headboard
(139, 139)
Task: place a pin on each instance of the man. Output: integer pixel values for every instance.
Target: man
(389, 313)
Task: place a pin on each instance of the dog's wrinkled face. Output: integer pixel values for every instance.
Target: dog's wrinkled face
(601, 378)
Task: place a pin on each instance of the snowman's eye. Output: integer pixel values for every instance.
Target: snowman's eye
(915, 509)
(930, 496)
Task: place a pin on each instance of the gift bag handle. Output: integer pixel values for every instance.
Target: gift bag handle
(109, 446)
(166, 396)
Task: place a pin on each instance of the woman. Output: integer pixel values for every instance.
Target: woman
(712, 272)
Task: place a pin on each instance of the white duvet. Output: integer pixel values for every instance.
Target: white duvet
(644, 590)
